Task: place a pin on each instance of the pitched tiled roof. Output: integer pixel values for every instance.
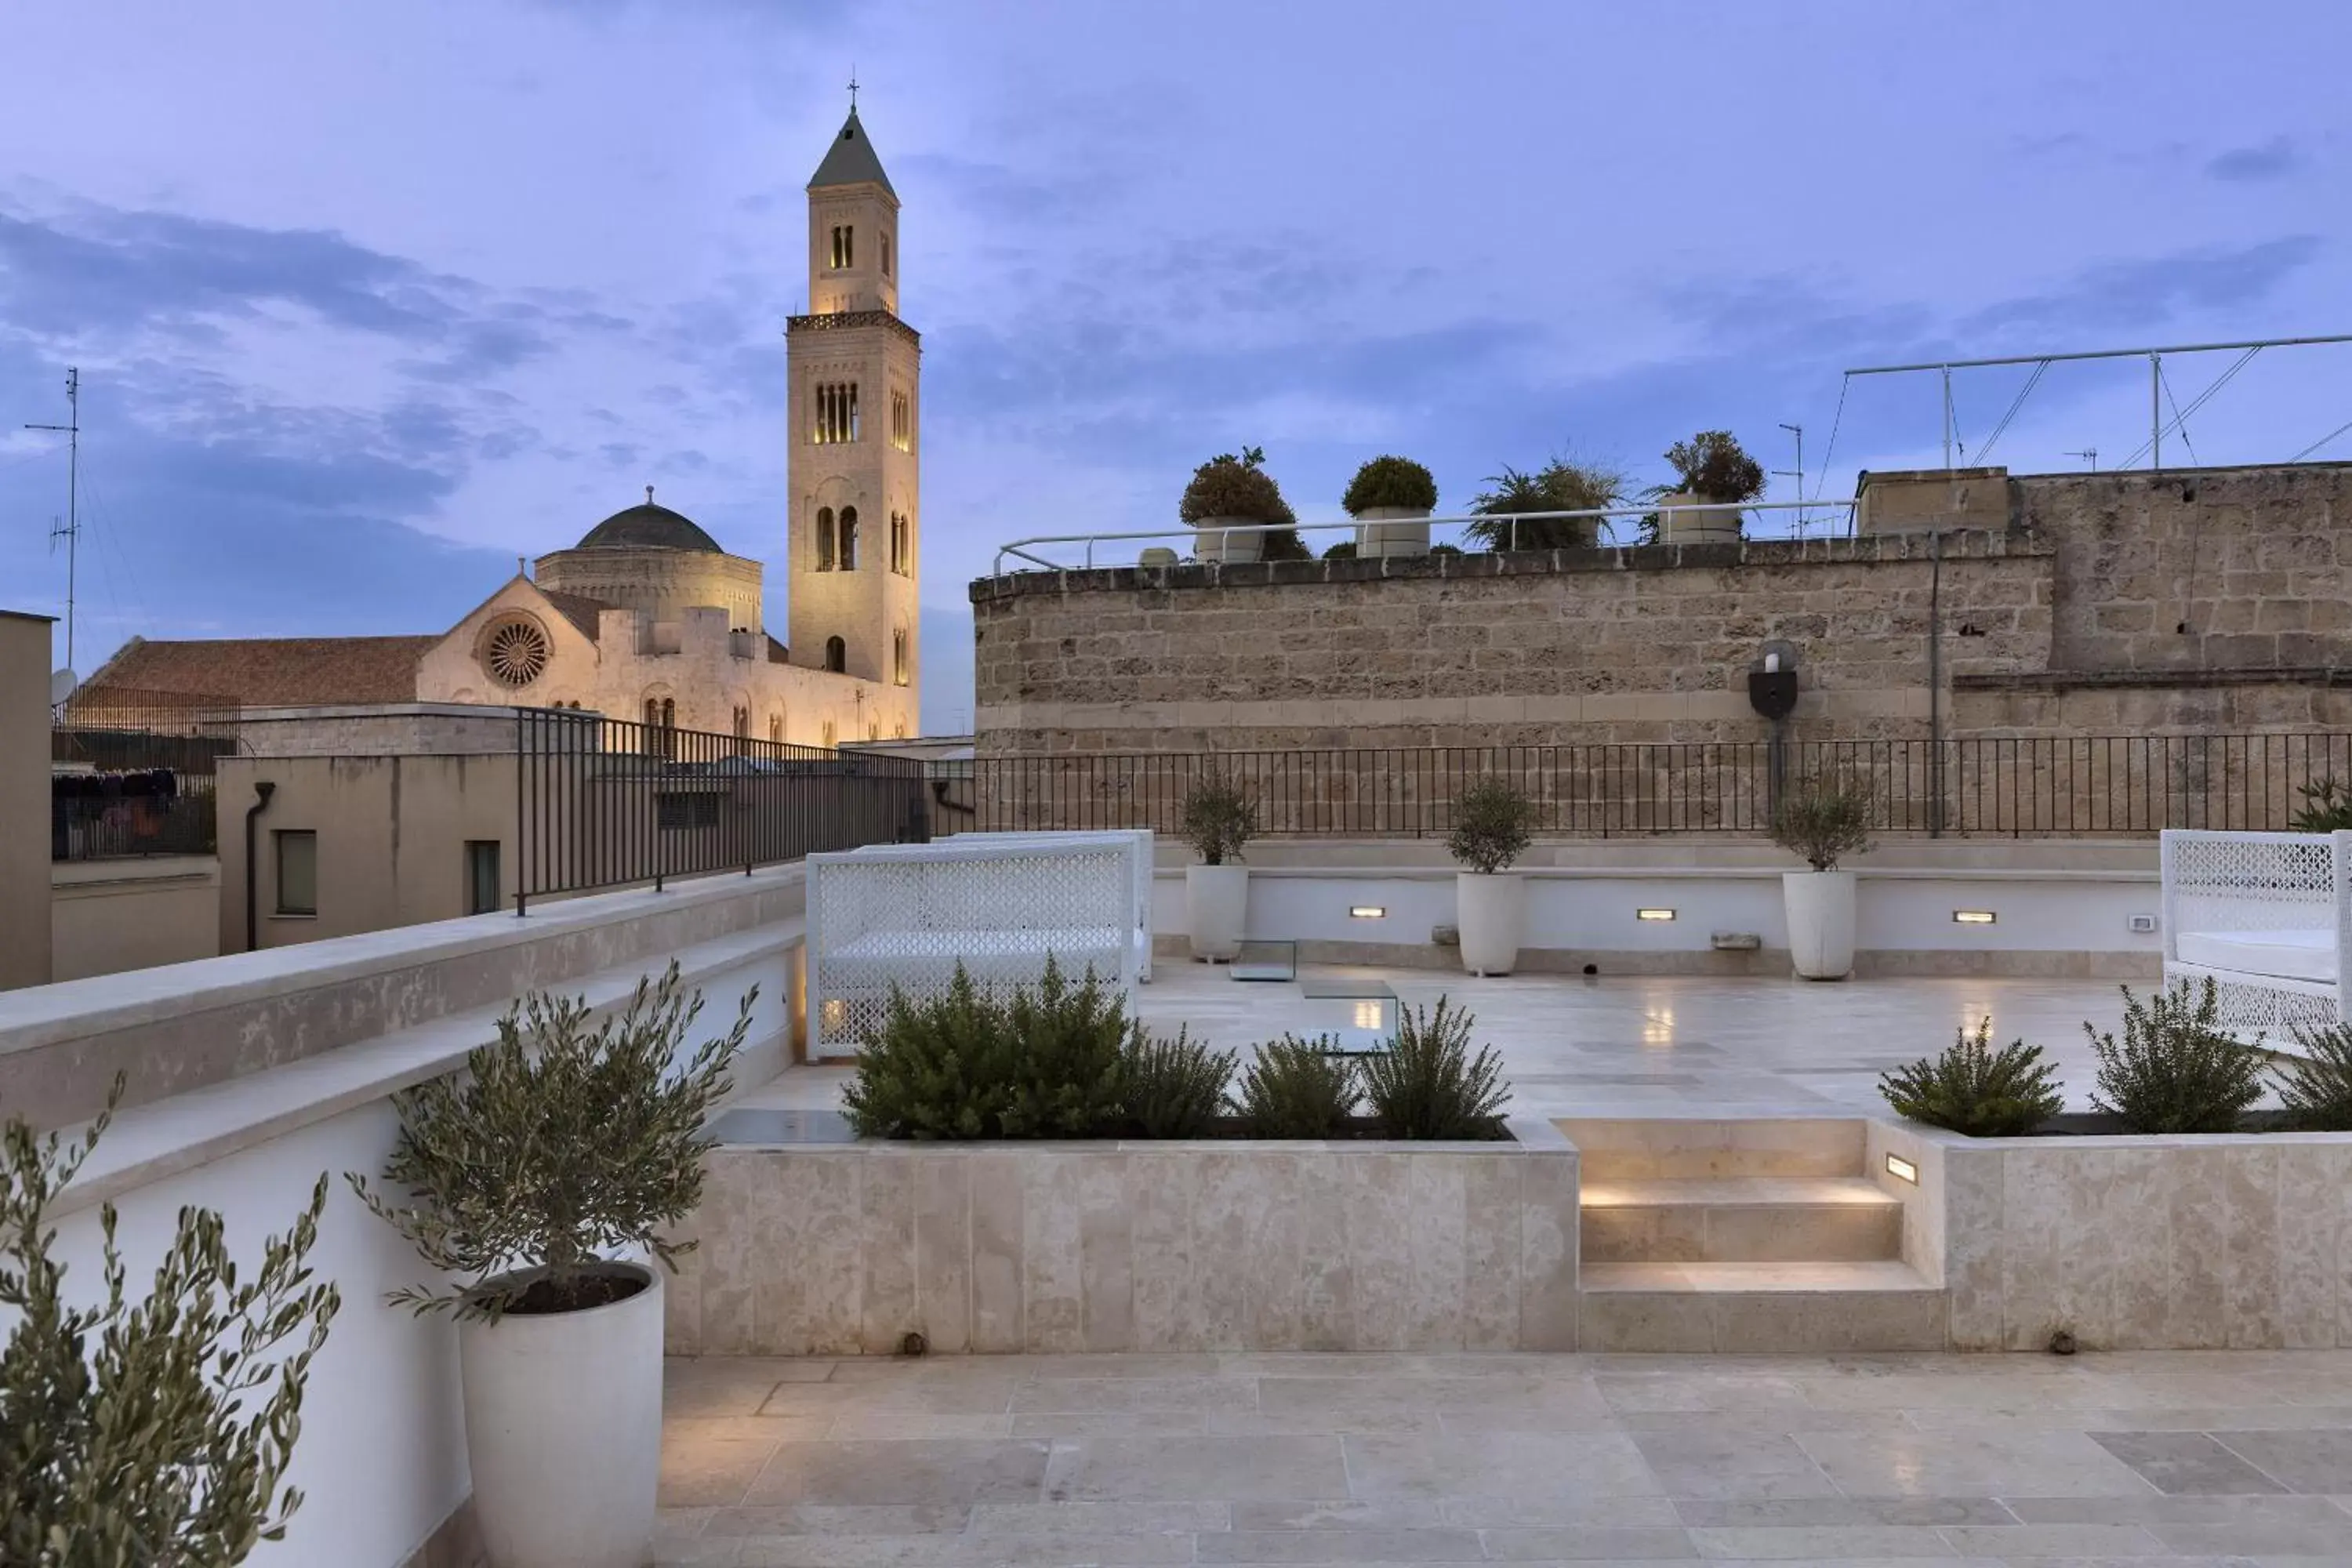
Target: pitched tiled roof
(271, 672)
(579, 609)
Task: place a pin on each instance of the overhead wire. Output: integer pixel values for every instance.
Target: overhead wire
(2323, 441)
(2179, 414)
(1985, 451)
(1845, 383)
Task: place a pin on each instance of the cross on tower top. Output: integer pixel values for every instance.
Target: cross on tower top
(853, 90)
(649, 495)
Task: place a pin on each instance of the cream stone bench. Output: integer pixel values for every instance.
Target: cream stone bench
(2267, 918)
(906, 915)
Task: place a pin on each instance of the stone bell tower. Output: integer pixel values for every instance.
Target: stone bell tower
(856, 434)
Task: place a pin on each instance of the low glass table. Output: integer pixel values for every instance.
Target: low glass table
(1264, 961)
(1363, 1013)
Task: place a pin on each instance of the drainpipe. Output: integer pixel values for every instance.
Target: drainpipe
(262, 791)
(1935, 685)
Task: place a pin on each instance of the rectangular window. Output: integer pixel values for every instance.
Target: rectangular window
(885, 253)
(837, 413)
(902, 422)
(682, 811)
(482, 877)
(845, 246)
(297, 871)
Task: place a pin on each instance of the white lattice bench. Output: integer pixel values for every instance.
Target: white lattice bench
(2267, 916)
(1138, 841)
(906, 915)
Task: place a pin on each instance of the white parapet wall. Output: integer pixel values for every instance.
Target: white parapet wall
(382, 1456)
(2058, 908)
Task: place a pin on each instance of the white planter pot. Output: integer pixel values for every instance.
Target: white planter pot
(1820, 906)
(1490, 909)
(1216, 909)
(1696, 527)
(563, 1414)
(1212, 542)
(1392, 530)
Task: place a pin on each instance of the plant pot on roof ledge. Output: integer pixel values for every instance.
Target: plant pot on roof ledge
(1229, 503)
(559, 1345)
(1824, 820)
(1391, 499)
(1715, 473)
(1216, 821)
(1491, 823)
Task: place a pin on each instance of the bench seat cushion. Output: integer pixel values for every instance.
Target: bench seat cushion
(2306, 954)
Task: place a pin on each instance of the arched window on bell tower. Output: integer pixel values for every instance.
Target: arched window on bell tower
(825, 539)
(899, 657)
(836, 655)
(848, 552)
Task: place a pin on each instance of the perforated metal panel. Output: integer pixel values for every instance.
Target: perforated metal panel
(2233, 882)
(1137, 840)
(908, 918)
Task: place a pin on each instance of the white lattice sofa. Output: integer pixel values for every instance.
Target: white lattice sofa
(999, 904)
(2268, 917)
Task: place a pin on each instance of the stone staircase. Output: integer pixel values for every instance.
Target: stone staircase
(1730, 1237)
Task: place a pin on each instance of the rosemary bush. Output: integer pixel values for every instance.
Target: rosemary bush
(1973, 1090)
(2174, 1069)
(1298, 1089)
(1174, 1087)
(156, 1432)
(1824, 819)
(1067, 1047)
(1427, 1084)
(1217, 817)
(2317, 1090)
(1492, 824)
(562, 1140)
(1390, 481)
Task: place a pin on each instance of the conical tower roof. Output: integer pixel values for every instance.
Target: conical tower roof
(851, 160)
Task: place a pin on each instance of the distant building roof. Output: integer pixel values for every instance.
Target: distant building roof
(578, 608)
(851, 160)
(649, 527)
(271, 672)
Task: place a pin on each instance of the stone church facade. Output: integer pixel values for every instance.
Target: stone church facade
(647, 618)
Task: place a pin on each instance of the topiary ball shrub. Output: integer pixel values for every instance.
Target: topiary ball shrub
(2316, 1091)
(1823, 819)
(2176, 1071)
(1176, 1087)
(1390, 482)
(1975, 1091)
(1298, 1089)
(1427, 1085)
(1230, 486)
(1492, 825)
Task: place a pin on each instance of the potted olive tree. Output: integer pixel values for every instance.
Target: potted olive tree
(1391, 499)
(1492, 820)
(1231, 492)
(1218, 818)
(1715, 470)
(564, 1153)
(152, 1429)
(1824, 819)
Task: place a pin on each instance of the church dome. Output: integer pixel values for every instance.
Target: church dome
(649, 527)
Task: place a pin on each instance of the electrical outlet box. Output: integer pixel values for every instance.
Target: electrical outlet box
(2142, 925)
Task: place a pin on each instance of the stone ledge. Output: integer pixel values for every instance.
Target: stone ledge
(1958, 544)
(2111, 679)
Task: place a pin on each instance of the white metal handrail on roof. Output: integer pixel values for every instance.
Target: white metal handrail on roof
(1666, 515)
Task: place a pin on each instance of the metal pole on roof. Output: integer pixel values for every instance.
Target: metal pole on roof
(2155, 412)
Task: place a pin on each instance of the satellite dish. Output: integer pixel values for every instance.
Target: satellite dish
(62, 684)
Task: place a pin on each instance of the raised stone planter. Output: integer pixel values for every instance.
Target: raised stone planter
(1211, 1246)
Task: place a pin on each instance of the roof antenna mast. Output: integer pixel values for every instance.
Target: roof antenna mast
(71, 532)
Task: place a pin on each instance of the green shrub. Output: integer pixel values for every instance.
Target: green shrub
(1427, 1085)
(2176, 1071)
(1046, 1062)
(2317, 1090)
(2327, 807)
(1824, 819)
(1390, 481)
(1174, 1088)
(1231, 486)
(1560, 485)
(1974, 1089)
(1713, 467)
(559, 1144)
(1343, 551)
(1492, 823)
(1298, 1089)
(1217, 817)
(153, 1431)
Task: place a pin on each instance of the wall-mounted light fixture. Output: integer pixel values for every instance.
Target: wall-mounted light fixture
(1902, 1170)
(1654, 914)
(1973, 916)
(1368, 912)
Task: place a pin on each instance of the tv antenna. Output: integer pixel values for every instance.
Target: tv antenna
(71, 532)
(2089, 454)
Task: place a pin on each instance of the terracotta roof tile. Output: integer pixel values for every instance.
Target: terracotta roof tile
(272, 672)
(579, 609)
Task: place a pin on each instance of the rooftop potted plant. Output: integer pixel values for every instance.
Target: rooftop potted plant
(1564, 484)
(1714, 471)
(1217, 819)
(1231, 492)
(1823, 818)
(1391, 499)
(1492, 824)
(566, 1151)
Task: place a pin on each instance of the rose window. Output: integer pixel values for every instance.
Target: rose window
(515, 653)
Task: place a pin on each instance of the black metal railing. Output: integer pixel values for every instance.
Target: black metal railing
(132, 773)
(605, 803)
(2045, 786)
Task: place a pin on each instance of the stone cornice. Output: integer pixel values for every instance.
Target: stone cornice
(845, 321)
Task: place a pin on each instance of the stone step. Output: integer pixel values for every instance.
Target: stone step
(1751, 1219)
(1758, 1308)
(1693, 1149)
